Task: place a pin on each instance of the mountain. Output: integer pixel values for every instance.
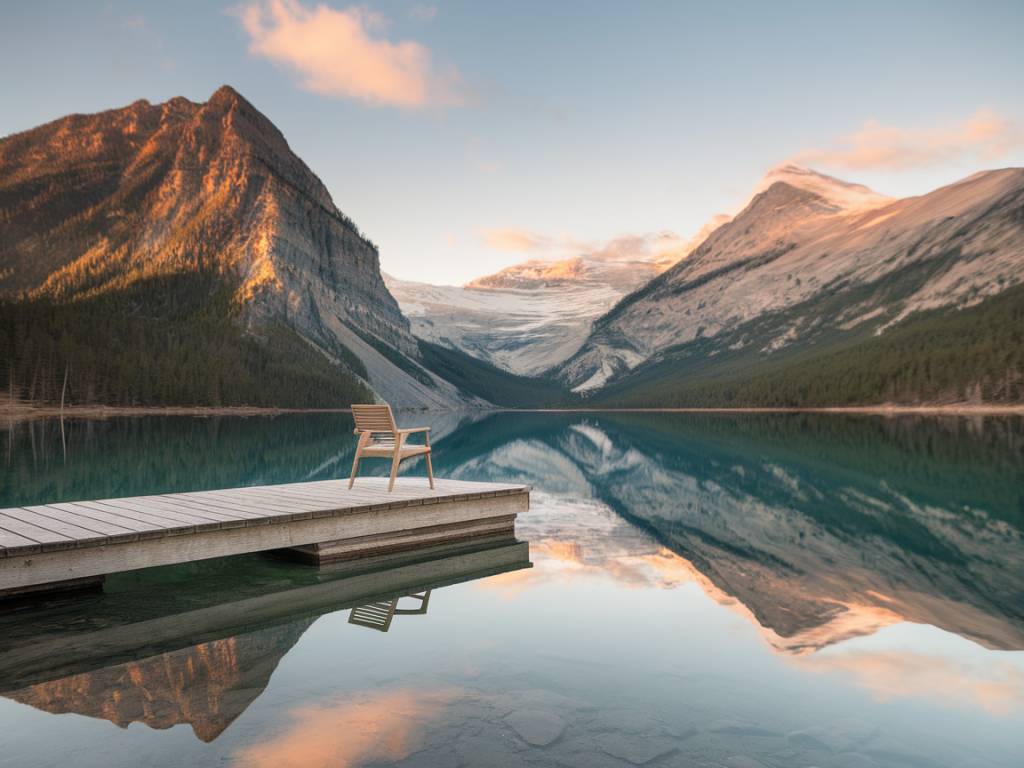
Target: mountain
(525, 319)
(822, 293)
(842, 195)
(206, 255)
(532, 316)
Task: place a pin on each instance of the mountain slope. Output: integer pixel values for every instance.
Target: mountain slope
(534, 315)
(801, 270)
(512, 322)
(96, 205)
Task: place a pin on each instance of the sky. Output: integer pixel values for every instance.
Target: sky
(463, 137)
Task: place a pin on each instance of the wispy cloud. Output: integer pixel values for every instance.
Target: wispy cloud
(664, 248)
(996, 688)
(343, 53)
(986, 136)
(480, 157)
(370, 726)
(518, 240)
(137, 21)
(423, 12)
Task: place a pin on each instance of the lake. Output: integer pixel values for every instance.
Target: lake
(706, 590)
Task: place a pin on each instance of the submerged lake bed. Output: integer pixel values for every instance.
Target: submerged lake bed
(705, 590)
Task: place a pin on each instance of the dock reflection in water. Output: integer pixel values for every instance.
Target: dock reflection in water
(110, 667)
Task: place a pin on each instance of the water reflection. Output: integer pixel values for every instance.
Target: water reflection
(380, 614)
(370, 726)
(209, 684)
(690, 573)
(823, 529)
(206, 686)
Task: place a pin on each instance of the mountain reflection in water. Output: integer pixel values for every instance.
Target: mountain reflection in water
(823, 528)
(206, 685)
(884, 555)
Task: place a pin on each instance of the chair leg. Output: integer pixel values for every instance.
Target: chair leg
(394, 467)
(364, 438)
(355, 469)
(430, 471)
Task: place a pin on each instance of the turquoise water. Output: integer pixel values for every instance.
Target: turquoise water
(790, 590)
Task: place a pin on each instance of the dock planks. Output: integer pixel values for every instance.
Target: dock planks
(41, 544)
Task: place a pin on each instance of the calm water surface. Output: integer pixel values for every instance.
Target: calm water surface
(841, 592)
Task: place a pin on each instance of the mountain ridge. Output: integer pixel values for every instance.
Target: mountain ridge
(872, 267)
(217, 269)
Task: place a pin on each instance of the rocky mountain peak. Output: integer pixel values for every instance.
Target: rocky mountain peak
(844, 196)
(227, 96)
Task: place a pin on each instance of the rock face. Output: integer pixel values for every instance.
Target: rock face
(810, 258)
(94, 203)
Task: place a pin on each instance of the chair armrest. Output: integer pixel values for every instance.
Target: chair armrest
(411, 430)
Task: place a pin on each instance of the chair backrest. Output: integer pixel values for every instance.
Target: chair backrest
(373, 418)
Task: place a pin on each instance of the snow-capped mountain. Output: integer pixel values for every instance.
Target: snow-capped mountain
(843, 195)
(525, 330)
(534, 315)
(809, 259)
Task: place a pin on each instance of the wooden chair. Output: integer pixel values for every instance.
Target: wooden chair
(380, 438)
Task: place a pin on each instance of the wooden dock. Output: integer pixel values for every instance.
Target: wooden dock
(73, 544)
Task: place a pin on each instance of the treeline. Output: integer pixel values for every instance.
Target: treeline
(489, 382)
(943, 355)
(171, 340)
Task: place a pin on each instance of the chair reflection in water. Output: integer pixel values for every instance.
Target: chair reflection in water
(379, 615)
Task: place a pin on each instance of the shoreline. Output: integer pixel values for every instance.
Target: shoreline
(27, 412)
(953, 409)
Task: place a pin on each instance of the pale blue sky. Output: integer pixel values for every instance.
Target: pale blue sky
(569, 121)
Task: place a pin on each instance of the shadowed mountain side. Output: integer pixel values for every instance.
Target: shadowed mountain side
(824, 528)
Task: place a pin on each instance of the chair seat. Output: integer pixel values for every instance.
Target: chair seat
(407, 450)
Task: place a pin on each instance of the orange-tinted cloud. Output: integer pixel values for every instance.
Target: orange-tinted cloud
(996, 688)
(985, 136)
(661, 568)
(385, 725)
(517, 240)
(554, 559)
(662, 248)
(341, 53)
